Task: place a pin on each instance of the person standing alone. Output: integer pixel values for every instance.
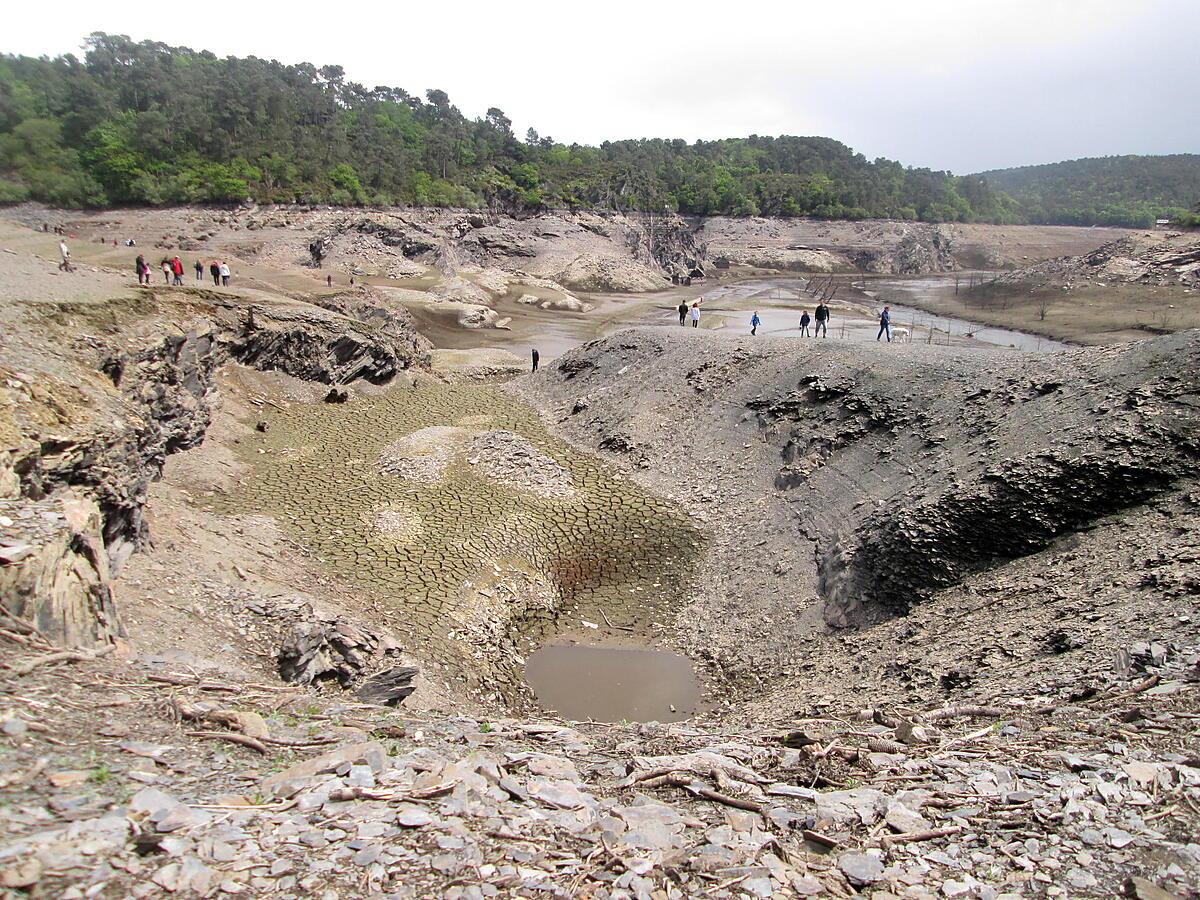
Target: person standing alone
(536, 357)
(65, 252)
(821, 314)
(885, 324)
(755, 321)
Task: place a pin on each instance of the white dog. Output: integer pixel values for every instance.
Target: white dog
(901, 333)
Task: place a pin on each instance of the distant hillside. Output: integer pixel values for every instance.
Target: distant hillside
(1110, 190)
(150, 124)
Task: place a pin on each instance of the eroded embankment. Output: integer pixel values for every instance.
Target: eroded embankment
(859, 480)
(96, 396)
(479, 532)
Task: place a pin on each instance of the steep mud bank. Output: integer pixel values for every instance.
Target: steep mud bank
(478, 533)
(871, 477)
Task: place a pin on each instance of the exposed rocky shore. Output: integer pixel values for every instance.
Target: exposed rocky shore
(267, 581)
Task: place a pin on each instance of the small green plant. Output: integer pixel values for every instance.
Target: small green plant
(486, 727)
(100, 775)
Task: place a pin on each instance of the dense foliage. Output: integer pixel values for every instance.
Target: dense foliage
(1113, 190)
(145, 123)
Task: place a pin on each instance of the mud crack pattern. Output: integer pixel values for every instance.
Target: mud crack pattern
(430, 547)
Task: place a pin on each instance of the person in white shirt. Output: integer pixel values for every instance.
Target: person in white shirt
(65, 252)
(695, 315)
(225, 274)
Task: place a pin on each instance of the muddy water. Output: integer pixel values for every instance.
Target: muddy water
(895, 291)
(470, 570)
(610, 684)
(780, 301)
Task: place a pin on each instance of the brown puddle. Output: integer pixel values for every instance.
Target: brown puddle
(612, 684)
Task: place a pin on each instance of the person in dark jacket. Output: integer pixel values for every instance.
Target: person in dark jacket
(199, 267)
(683, 312)
(536, 358)
(215, 271)
(804, 320)
(822, 320)
(885, 324)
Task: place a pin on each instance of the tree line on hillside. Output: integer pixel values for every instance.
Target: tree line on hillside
(1111, 190)
(149, 124)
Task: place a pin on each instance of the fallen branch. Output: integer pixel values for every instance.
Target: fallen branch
(192, 681)
(823, 839)
(1123, 695)
(963, 709)
(24, 668)
(315, 742)
(909, 837)
(233, 738)
(609, 622)
(680, 780)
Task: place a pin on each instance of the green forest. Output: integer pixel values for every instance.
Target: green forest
(149, 124)
(1112, 190)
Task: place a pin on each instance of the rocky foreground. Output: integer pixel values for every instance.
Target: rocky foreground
(137, 779)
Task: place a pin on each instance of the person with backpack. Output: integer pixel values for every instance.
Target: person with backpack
(755, 321)
(804, 320)
(822, 319)
(885, 324)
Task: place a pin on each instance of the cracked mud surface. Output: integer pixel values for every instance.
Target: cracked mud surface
(417, 497)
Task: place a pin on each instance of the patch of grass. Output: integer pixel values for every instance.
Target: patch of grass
(100, 775)
(281, 761)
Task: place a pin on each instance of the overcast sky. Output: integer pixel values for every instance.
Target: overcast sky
(963, 85)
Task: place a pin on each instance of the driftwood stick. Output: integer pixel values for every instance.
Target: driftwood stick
(677, 779)
(1138, 688)
(909, 837)
(963, 709)
(233, 738)
(818, 837)
(24, 668)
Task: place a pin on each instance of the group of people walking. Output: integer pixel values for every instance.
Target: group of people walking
(172, 269)
(818, 321)
(820, 317)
